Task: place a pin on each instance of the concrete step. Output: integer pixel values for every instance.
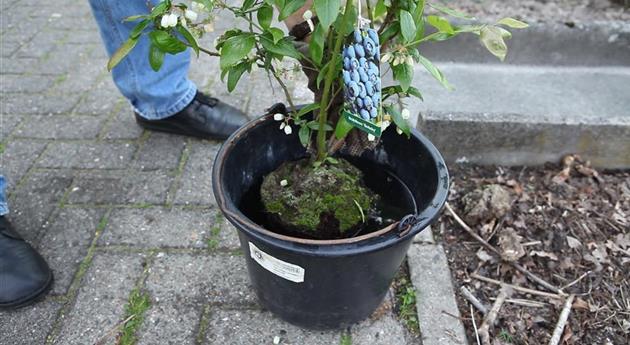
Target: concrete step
(527, 114)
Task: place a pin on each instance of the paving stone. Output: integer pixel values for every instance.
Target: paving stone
(29, 325)
(196, 181)
(34, 201)
(41, 104)
(87, 155)
(99, 306)
(65, 243)
(17, 157)
(384, 331)
(161, 151)
(431, 279)
(116, 187)
(254, 327)
(8, 48)
(25, 83)
(425, 236)
(17, 66)
(169, 325)
(81, 78)
(7, 124)
(123, 126)
(58, 61)
(103, 99)
(223, 234)
(158, 227)
(61, 127)
(193, 279)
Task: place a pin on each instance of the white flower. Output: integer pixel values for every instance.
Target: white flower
(398, 130)
(197, 6)
(278, 117)
(284, 183)
(190, 15)
(384, 125)
(288, 130)
(182, 20)
(169, 20)
(409, 61)
(371, 137)
(307, 16)
(398, 60)
(282, 125)
(386, 57)
(208, 27)
(405, 114)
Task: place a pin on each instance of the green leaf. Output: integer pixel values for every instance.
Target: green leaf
(323, 72)
(390, 32)
(327, 11)
(316, 46)
(189, 38)
(407, 26)
(397, 90)
(304, 134)
(120, 54)
(441, 24)
(160, 9)
(398, 119)
(404, 74)
(434, 71)
(235, 73)
(307, 109)
(343, 128)
(277, 34)
(137, 30)
(284, 47)
(247, 4)
(134, 18)
(156, 57)
(235, 49)
(167, 42)
(264, 15)
(290, 7)
(513, 23)
(314, 125)
(380, 9)
(451, 12)
(492, 38)
(345, 24)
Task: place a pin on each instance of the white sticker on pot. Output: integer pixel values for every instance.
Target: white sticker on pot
(276, 266)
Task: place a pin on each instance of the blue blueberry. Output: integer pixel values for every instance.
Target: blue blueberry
(346, 77)
(354, 90)
(364, 114)
(362, 91)
(369, 87)
(354, 76)
(369, 46)
(358, 38)
(354, 63)
(374, 112)
(358, 49)
(350, 52)
(359, 102)
(367, 103)
(346, 63)
(363, 75)
(363, 63)
(376, 99)
(373, 35)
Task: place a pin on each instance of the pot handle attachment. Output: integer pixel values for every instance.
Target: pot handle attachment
(408, 222)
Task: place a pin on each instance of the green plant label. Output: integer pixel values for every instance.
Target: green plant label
(364, 125)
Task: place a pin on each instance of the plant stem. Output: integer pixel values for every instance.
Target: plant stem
(323, 113)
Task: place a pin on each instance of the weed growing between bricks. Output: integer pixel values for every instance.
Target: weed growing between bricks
(405, 301)
(139, 303)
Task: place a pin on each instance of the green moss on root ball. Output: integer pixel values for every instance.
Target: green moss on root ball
(315, 199)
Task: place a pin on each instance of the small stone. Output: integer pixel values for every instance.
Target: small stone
(276, 340)
(483, 205)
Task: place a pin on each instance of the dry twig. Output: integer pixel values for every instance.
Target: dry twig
(518, 267)
(562, 321)
(516, 287)
(472, 315)
(489, 320)
(114, 329)
(473, 300)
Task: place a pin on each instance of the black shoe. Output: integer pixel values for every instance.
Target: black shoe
(24, 275)
(205, 117)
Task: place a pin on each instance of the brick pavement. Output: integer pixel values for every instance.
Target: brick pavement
(113, 208)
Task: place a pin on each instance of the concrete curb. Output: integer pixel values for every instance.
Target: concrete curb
(431, 278)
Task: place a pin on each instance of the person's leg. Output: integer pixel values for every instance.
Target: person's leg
(24, 274)
(153, 95)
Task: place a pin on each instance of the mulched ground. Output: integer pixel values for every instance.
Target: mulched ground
(568, 224)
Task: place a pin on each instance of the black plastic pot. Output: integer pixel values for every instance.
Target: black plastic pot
(327, 284)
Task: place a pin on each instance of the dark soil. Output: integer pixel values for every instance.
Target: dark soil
(570, 225)
(545, 11)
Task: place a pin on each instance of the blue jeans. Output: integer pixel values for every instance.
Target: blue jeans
(4, 207)
(154, 95)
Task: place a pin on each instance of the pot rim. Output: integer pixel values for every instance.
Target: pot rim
(425, 218)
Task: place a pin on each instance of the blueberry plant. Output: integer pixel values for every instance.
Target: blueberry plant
(397, 29)
(343, 56)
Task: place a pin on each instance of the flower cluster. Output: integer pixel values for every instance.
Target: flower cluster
(361, 75)
(284, 126)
